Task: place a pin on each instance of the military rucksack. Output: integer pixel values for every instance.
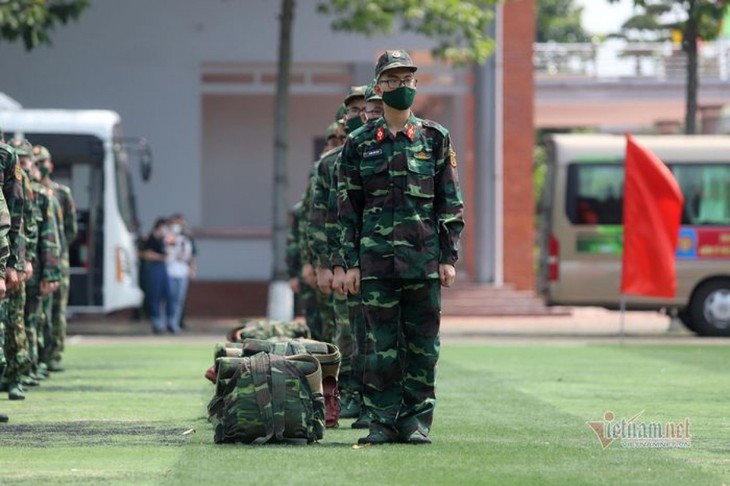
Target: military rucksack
(327, 354)
(268, 398)
(265, 329)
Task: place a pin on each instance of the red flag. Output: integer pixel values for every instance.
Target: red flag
(652, 215)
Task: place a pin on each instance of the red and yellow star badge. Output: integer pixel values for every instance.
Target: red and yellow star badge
(380, 134)
(411, 132)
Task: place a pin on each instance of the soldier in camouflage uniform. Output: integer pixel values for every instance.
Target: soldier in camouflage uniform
(16, 342)
(400, 207)
(7, 160)
(320, 247)
(324, 302)
(355, 407)
(304, 299)
(44, 254)
(69, 223)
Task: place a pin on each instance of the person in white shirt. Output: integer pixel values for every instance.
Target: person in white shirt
(179, 249)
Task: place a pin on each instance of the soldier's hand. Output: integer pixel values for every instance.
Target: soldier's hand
(324, 280)
(352, 279)
(11, 278)
(447, 274)
(338, 281)
(28, 271)
(46, 287)
(2, 289)
(294, 284)
(308, 275)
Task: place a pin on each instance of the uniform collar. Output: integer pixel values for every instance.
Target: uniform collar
(410, 130)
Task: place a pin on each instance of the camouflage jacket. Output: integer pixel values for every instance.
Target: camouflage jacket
(57, 210)
(12, 183)
(305, 255)
(8, 159)
(319, 244)
(293, 260)
(48, 248)
(70, 225)
(31, 214)
(399, 201)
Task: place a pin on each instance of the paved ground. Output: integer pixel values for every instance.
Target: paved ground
(581, 325)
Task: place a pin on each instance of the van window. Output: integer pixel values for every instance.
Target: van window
(595, 193)
(125, 197)
(706, 190)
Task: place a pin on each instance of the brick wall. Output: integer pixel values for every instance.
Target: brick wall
(519, 200)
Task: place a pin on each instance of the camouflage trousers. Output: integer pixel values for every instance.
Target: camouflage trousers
(33, 313)
(318, 314)
(402, 318)
(360, 336)
(343, 339)
(16, 342)
(45, 329)
(58, 313)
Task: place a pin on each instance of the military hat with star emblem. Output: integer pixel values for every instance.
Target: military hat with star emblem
(392, 60)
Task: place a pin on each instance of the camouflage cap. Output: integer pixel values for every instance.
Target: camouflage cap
(370, 94)
(355, 92)
(392, 60)
(340, 112)
(334, 129)
(22, 147)
(41, 153)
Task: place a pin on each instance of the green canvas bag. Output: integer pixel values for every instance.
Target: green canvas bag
(267, 398)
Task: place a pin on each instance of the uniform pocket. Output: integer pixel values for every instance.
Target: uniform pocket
(420, 176)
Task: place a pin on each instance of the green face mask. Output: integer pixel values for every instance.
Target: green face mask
(43, 169)
(401, 98)
(353, 124)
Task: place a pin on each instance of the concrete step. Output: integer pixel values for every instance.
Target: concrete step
(490, 300)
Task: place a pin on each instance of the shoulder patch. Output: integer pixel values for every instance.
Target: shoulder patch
(18, 172)
(452, 156)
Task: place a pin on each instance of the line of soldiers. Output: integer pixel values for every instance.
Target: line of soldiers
(373, 241)
(37, 224)
(312, 254)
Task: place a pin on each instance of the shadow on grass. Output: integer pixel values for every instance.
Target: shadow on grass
(90, 433)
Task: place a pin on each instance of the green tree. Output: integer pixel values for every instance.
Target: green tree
(457, 26)
(559, 21)
(695, 19)
(32, 20)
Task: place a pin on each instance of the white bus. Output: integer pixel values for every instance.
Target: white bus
(582, 232)
(90, 155)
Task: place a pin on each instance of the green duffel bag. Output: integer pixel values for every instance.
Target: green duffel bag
(265, 329)
(326, 353)
(268, 399)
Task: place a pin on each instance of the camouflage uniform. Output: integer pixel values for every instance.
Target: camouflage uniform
(305, 300)
(46, 268)
(8, 160)
(16, 341)
(400, 207)
(51, 329)
(60, 297)
(324, 325)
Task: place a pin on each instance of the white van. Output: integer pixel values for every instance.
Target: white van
(581, 226)
(90, 156)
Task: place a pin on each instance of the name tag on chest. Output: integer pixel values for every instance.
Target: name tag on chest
(369, 154)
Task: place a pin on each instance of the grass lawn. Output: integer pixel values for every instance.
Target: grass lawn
(505, 415)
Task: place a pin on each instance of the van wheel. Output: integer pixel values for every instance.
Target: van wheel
(684, 316)
(709, 309)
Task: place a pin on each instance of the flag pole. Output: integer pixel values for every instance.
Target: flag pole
(622, 319)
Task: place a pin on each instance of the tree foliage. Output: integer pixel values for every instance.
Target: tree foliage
(560, 21)
(459, 27)
(33, 20)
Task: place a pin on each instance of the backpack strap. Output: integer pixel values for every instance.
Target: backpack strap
(260, 370)
(278, 396)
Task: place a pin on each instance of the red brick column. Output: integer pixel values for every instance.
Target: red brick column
(519, 93)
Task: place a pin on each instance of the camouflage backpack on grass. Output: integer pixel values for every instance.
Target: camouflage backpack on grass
(268, 398)
(327, 354)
